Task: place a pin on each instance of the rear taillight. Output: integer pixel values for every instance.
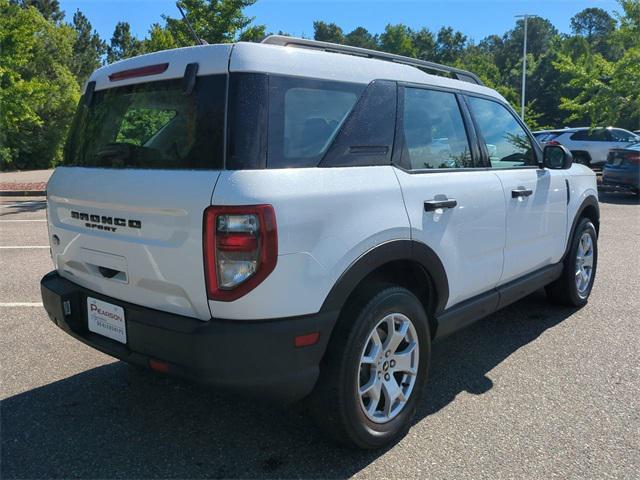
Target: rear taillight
(240, 249)
(552, 142)
(633, 158)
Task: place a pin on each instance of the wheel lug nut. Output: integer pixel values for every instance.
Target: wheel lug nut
(386, 376)
(387, 353)
(392, 363)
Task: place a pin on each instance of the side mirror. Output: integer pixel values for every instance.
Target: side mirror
(557, 157)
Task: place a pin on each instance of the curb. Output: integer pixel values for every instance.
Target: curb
(23, 193)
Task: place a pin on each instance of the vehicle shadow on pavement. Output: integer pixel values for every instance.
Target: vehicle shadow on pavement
(22, 206)
(113, 421)
(460, 362)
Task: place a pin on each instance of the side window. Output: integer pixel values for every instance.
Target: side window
(433, 130)
(595, 135)
(304, 117)
(507, 142)
(581, 135)
(618, 135)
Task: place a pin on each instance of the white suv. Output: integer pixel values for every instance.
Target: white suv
(297, 219)
(589, 146)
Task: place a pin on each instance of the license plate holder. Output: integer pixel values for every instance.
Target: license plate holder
(106, 319)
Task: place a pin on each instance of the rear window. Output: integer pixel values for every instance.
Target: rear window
(151, 125)
(304, 117)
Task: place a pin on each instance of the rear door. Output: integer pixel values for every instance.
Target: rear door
(535, 198)
(125, 211)
(455, 209)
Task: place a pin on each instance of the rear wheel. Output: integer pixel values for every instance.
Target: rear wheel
(574, 286)
(375, 368)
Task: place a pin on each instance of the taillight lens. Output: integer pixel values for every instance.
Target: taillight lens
(552, 142)
(633, 158)
(240, 249)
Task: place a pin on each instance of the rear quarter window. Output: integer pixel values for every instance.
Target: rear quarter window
(304, 117)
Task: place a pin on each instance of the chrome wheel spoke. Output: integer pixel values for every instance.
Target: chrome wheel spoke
(371, 387)
(396, 336)
(588, 261)
(374, 351)
(392, 393)
(404, 360)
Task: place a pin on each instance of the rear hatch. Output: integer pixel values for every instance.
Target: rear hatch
(144, 152)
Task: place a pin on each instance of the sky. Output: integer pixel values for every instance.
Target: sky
(476, 19)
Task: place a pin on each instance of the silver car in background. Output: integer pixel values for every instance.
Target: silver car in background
(590, 146)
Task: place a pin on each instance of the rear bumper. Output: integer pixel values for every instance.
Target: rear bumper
(626, 179)
(254, 357)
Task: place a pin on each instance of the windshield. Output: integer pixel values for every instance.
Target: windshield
(151, 125)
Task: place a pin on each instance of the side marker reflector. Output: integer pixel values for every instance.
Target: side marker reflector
(158, 366)
(306, 340)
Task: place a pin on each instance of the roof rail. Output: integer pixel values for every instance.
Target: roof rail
(458, 73)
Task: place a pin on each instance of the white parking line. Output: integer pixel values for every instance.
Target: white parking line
(23, 220)
(8, 247)
(20, 304)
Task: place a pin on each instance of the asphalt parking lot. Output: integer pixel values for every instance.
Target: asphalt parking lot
(533, 391)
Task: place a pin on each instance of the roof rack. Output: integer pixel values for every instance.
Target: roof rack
(458, 73)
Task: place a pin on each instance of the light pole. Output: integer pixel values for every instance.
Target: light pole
(524, 64)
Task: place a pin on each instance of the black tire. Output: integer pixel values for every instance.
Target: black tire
(335, 402)
(564, 291)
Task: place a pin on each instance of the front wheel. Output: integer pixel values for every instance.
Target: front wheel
(375, 368)
(574, 285)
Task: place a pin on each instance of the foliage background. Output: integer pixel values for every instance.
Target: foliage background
(589, 77)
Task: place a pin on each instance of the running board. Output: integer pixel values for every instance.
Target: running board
(472, 310)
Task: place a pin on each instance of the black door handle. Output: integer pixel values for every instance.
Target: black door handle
(521, 192)
(431, 205)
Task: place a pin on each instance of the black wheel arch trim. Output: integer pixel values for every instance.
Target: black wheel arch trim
(373, 259)
(589, 201)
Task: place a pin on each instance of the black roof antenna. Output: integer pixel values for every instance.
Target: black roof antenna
(193, 32)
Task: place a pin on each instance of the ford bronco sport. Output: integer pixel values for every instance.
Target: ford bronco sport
(297, 219)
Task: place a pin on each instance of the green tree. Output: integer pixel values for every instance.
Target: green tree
(327, 32)
(628, 36)
(123, 44)
(397, 39)
(360, 37)
(255, 33)
(38, 91)
(215, 21)
(596, 25)
(159, 38)
(50, 9)
(605, 92)
(593, 23)
(540, 33)
(449, 45)
(88, 48)
(424, 44)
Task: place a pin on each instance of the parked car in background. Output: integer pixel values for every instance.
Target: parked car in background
(623, 168)
(590, 146)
